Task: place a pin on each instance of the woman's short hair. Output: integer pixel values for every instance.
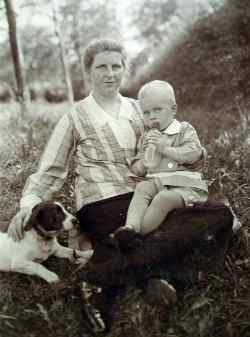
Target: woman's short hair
(99, 46)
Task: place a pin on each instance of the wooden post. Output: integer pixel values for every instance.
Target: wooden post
(17, 56)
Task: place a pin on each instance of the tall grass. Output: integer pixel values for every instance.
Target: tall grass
(19, 156)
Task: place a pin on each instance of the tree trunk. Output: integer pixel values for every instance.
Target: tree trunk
(80, 58)
(77, 43)
(63, 55)
(16, 52)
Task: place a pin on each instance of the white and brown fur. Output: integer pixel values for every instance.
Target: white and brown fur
(47, 220)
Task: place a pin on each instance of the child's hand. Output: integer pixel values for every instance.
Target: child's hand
(152, 137)
(162, 147)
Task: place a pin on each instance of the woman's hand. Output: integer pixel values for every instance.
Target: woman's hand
(82, 257)
(16, 227)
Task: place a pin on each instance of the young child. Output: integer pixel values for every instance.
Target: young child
(171, 180)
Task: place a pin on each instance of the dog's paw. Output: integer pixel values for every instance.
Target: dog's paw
(82, 257)
(52, 278)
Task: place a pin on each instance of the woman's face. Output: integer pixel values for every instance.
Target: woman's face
(106, 73)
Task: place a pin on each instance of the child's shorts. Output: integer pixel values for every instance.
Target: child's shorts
(190, 195)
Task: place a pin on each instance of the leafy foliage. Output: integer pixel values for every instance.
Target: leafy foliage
(166, 22)
(209, 69)
(80, 22)
(150, 18)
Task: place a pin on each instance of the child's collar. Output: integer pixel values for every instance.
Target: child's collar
(173, 128)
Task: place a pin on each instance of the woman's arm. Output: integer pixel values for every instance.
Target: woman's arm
(53, 166)
(136, 165)
(49, 177)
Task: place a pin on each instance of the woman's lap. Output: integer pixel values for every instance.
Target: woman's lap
(103, 217)
(179, 232)
(188, 224)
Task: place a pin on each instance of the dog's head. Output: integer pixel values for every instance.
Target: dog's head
(49, 218)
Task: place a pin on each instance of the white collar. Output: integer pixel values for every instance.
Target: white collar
(173, 128)
(121, 127)
(126, 109)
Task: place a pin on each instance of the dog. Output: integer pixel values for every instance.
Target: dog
(47, 220)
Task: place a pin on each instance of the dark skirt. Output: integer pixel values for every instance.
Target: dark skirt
(101, 218)
(182, 230)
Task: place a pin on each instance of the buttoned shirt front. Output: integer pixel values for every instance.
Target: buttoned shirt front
(179, 167)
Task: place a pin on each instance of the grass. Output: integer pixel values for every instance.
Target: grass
(214, 304)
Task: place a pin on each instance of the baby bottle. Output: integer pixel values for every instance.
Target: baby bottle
(152, 157)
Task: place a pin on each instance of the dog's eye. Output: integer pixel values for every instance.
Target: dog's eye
(59, 214)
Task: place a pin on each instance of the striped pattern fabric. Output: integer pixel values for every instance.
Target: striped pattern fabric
(102, 148)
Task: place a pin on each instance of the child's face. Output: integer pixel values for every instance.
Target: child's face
(157, 108)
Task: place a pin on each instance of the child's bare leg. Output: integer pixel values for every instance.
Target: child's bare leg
(164, 202)
(144, 193)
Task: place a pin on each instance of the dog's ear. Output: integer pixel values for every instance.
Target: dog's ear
(33, 219)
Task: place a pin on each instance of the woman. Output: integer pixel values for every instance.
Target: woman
(102, 131)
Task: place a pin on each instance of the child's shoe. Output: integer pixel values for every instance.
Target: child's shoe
(127, 238)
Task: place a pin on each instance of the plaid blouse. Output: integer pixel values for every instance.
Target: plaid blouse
(102, 147)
